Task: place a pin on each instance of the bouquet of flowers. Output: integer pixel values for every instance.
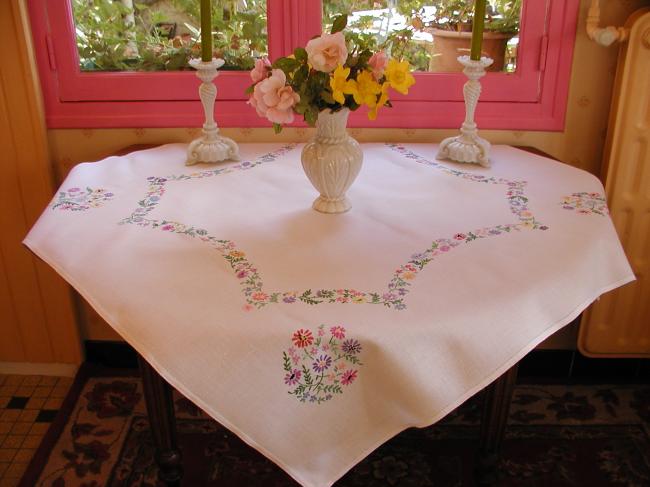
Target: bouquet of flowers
(329, 73)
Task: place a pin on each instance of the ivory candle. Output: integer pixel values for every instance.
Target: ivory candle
(477, 29)
(206, 31)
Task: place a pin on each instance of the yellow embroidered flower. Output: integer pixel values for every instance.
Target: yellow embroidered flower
(340, 84)
(408, 275)
(399, 76)
(365, 89)
(236, 254)
(372, 114)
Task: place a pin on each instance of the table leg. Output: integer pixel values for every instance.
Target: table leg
(160, 408)
(493, 426)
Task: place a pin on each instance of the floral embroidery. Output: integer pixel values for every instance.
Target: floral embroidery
(586, 203)
(76, 199)
(318, 368)
(399, 284)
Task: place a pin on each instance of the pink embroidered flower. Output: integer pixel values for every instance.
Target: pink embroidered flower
(326, 52)
(273, 99)
(460, 236)
(292, 377)
(247, 307)
(259, 296)
(302, 338)
(242, 274)
(378, 62)
(338, 332)
(348, 377)
(168, 227)
(261, 69)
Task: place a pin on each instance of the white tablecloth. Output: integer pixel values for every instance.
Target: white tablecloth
(317, 337)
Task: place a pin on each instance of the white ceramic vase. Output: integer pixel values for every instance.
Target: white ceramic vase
(332, 160)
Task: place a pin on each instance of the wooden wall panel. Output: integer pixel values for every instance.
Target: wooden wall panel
(10, 335)
(41, 325)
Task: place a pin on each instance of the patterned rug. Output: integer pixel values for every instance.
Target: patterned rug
(557, 436)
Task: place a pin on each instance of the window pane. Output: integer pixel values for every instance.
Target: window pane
(432, 33)
(162, 35)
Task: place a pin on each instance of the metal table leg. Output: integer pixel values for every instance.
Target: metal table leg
(493, 425)
(160, 408)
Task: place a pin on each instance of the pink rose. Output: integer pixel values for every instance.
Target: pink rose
(273, 99)
(260, 71)
(378, 62)
(326, 52)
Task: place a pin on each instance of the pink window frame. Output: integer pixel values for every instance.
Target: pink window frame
(533, 98)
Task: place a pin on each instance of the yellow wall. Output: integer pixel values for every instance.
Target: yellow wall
(580, 144)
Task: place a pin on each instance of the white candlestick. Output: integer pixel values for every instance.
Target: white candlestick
(210, 147)
(468, 146)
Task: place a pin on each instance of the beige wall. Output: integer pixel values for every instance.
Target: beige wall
(580, 144)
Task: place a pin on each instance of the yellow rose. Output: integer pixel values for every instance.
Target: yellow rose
(372, 114)
(365, 89)
(339, 84)
(399, 76)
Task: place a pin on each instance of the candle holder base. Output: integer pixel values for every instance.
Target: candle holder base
(210, 147)
(468, 146)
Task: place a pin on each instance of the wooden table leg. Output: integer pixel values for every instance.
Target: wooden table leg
(493, 427)
(160, 408)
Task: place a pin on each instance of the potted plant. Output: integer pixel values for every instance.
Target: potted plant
(452, 31)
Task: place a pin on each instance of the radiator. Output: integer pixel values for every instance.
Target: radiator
(618, 324)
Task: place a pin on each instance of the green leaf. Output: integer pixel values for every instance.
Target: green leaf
(300, 54)
(250, 89)
(327, 97)
(286, 64)
(277, 128)
(339, 24)
(287, 362)
(311, 115)
(249, 31)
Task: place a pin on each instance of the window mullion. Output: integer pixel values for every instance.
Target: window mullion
(291, 23)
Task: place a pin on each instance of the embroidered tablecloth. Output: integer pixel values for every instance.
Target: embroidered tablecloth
(315, 337)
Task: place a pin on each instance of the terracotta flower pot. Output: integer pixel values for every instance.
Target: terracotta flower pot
(448, 45)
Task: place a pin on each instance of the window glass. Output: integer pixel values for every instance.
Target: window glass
(162, 35)
(432, 33)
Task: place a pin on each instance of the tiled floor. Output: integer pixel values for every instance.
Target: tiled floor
(28, 404)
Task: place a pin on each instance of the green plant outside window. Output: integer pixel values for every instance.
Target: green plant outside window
(410, 24)
(163, 35)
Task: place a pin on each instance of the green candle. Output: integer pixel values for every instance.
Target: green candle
(206, 31)
(477, 29)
